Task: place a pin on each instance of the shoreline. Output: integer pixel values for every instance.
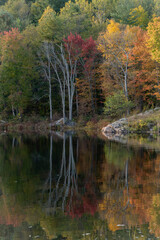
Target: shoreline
(147, 122)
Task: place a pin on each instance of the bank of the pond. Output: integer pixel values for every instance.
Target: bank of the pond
(145, 122)
(44, 126)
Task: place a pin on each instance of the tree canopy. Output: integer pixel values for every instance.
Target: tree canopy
(117, 42)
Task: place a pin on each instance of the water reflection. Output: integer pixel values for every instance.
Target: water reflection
(66, 184)
(78, 187)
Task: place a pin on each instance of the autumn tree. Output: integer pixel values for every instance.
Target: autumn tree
(154, 47)
(86, 52)
(145, 72)
(154, 36)
(88, 56)
(116, 45)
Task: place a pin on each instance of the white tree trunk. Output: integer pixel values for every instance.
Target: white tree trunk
(125, 86)
(65, 70)
(46, 64)
(50, 94)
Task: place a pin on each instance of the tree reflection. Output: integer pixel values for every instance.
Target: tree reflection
(62, 190)
(67, 177)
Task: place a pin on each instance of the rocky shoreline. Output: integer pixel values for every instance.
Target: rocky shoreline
(146, 122)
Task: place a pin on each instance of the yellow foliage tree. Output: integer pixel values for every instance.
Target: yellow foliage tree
(153, 40)
(153, 43)
(116, 45)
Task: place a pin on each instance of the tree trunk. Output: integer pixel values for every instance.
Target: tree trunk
(13, 113)
(70, 109)
(64, 114)
(50, 99)
(125, 86)
(77, 108)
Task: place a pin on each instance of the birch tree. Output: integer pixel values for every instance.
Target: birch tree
(60, 74)
(45, 59)
(65, 65)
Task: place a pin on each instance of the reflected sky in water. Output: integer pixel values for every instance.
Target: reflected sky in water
(76, 187)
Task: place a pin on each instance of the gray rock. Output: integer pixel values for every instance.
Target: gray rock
(60, 121)
(148, 112)
(108, 129)
(157, 109)
(119, 126)
(122, 120)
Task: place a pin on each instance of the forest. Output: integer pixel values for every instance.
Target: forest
(78, 59)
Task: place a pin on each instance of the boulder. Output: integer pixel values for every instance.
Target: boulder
(157, 109)
(62, 123)
(108, 129)
(148, 112)
(119, 127)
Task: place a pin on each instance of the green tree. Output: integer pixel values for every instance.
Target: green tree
(6, 20)
(139, 17)
(157, 8)
(117, 105)
(101, 10)
(17, 71)
(123, 9)
(20, 11)
(77, 18)
(37, 9)
(57, 5)
(148, 6)
(50, 26)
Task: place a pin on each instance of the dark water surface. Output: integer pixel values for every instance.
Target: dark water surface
(77, 187)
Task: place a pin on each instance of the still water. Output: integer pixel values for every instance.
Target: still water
(76, 187)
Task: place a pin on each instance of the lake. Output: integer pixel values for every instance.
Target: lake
(76, 186)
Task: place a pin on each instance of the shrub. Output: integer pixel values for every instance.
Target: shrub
(117, 105)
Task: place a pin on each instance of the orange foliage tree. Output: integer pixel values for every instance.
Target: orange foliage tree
(145, 72)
